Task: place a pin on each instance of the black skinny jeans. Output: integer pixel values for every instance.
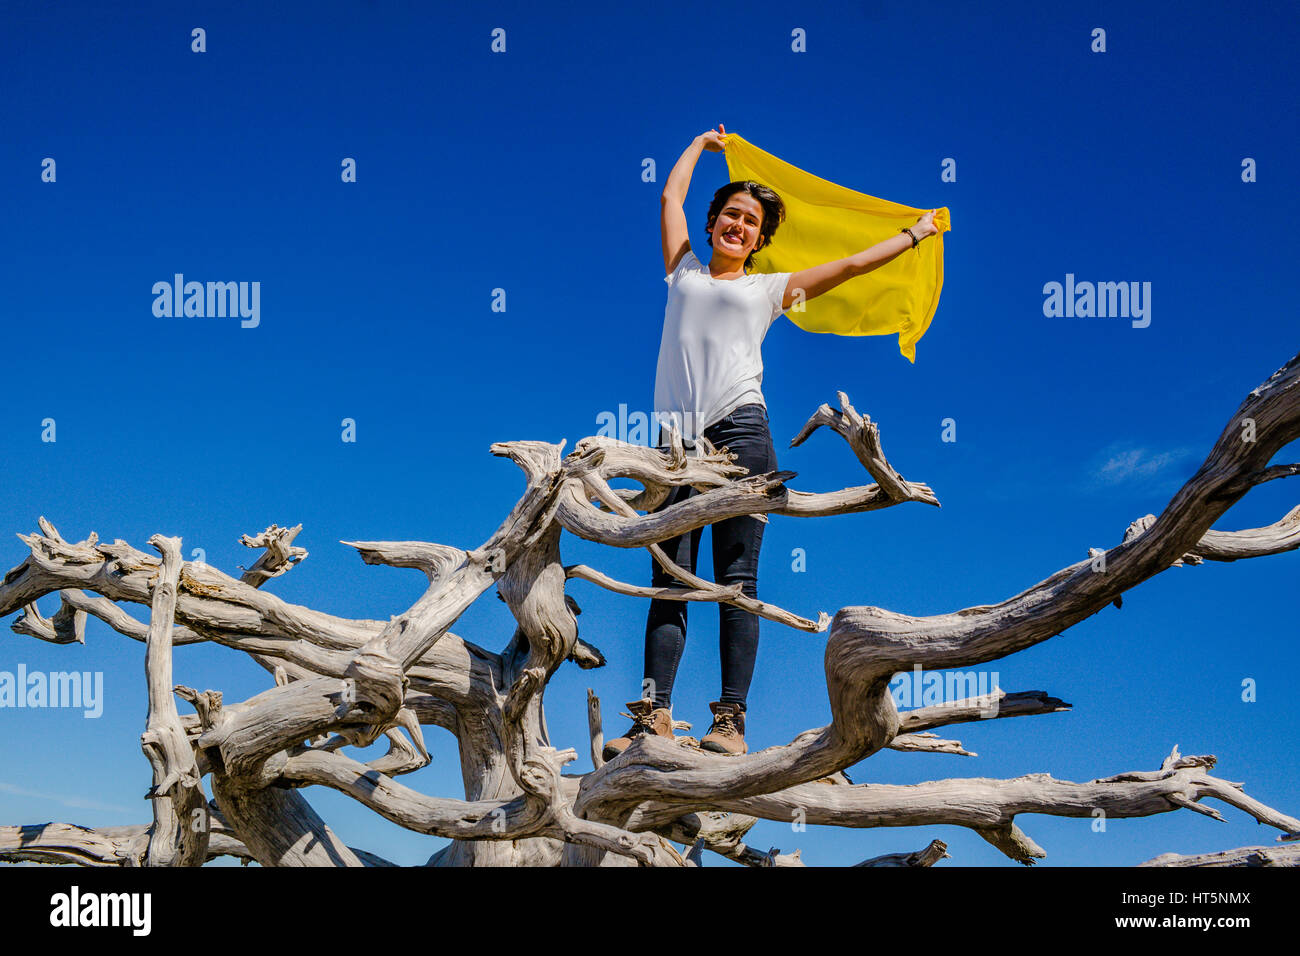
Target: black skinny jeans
(736, 543)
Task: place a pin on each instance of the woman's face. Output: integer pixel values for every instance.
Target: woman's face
(736, 230)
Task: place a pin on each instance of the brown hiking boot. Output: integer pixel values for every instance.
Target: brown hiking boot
(646, 719)
(727, 733)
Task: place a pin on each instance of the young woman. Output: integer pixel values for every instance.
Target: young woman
(708, 382)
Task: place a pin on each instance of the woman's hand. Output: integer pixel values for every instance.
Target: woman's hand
(925, 225)
(714, 140)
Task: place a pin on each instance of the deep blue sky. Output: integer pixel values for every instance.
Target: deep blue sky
(523, 171)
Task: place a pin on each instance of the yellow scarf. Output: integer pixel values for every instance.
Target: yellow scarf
(826, 222)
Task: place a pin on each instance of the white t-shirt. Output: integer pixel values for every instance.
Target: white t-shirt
(710, 356)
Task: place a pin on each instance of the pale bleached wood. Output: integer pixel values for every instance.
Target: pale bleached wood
(342, 683)
(929, 743)
(68, 843)
(990, 806)
(991, 706)
(1248, 856)
(595, 729)
(868, 645)
(434, 560)
(715, 593)
(1277, 538)
(758, 494)
(700, 590)
(179, 835)
(67, 626)
(863, 436)
(119, 846)
(720, 593)
(279, 556)
(932, 854)
(537, 811)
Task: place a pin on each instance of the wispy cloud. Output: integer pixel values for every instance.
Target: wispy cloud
(77, 802)
(1131, 464)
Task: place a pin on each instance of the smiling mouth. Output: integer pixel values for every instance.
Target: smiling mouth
(732, 237)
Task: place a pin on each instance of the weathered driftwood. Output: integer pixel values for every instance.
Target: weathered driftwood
(179, 835)
(338, 683)
(1288, 855)
(932, 854)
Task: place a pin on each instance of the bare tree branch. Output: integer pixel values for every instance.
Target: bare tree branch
(179, 835)
(341, 683)
(1242, 856)
(932, 854)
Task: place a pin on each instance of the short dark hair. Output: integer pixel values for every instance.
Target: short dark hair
(773, 212)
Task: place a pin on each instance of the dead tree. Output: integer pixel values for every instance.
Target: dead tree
(341, 683)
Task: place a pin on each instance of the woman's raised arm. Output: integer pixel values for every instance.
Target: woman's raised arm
(672, 214)
(818, 279)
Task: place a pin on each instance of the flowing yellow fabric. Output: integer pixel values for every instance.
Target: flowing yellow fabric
(825, 222)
